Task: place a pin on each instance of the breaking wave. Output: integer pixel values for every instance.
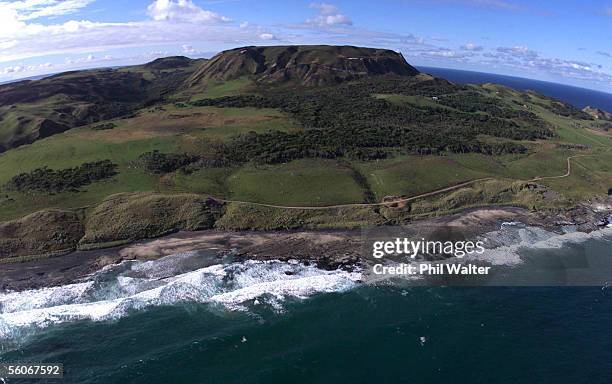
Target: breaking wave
(188, 277)
(115, 291)
(505, 246)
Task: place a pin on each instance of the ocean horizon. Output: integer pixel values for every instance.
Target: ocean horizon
(576, 96)
(270, 321)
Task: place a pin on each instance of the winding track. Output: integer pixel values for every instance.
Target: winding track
(566, 174)
(397, 201)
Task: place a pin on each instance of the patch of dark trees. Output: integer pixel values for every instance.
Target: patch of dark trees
(279, 147)
(68, 179)
(559, 107)
(157, 162)
(240, 101)
(346, 120)
(104, 126)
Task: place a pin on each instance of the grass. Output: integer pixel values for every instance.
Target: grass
(129, 216)
(128, 180)
(209, 122)
(225, 88)
(150, 130)
(68, 150)
(248, 217)
(301, 182)
(243, 120)
(412, 175)
(590, 177)
(71, 149)
(206, 181)
(37, 235)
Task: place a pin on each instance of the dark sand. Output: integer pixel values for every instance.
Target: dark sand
(328, 249)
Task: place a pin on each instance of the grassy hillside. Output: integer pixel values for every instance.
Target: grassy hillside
(300, 182)
(282, 144)
(185, 128)
(32, 110)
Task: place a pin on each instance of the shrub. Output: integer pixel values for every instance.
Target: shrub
(68, 179)
(157, 162)
(104, 126)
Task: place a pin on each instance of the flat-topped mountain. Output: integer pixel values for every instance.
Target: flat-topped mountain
(249, 140)
(169, 62)
(308, 65)
(31, 110)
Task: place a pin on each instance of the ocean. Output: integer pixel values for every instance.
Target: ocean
(183, 319)
(578, 97)
(174, 321)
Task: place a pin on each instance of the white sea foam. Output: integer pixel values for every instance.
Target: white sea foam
(115, 291)
(505, 245)
(111, 294)
(40, 298)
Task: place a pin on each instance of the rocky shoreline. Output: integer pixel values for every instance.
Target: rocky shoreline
(329, 249)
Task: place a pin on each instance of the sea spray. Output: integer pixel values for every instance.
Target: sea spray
(114, 292)
(504, 246)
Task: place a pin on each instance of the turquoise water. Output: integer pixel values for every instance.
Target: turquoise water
(243, 326)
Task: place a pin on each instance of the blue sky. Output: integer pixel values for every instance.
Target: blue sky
(562, 41)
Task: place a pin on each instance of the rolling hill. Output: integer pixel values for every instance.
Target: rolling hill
(277, 138)
(32, 110)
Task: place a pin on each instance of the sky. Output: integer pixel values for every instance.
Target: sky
(568, 42)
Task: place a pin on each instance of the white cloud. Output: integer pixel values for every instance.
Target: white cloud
(188, 49)
(182, 21)
(8, 44)
(182, 10)
(15, 15)
(329, 15)
(34, 9)
(27, 31)
(522, 58)
(89, 59)
(324, 8)
(472, 47)
(9, 19)
(267, 36)
(443, 54)
(14, 69)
